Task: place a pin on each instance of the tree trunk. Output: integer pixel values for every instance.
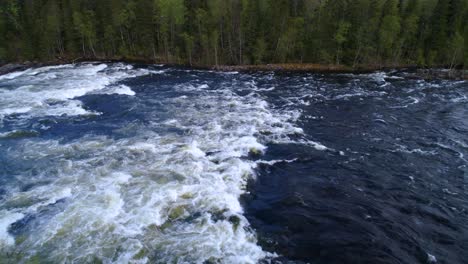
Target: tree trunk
(92, 48)
(216, 53)
(166, 49)
(154, 51)
(356, 57)
(240, 46)
(83, 45)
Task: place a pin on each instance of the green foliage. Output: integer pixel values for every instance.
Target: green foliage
(11, 11)
(465, 56)
(85, 25)
(171, 11)
(2, 38)
(423, 32)
(457, 47)
(260, 51)
(3, 55)
(341, 36)
(342, 32)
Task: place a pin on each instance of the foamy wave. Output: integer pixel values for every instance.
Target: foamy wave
(151, 197)
(50, 90)
(13, 75)
(6, 219)
(405, 149)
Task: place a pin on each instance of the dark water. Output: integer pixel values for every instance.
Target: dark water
(122, 163)
(399, 192)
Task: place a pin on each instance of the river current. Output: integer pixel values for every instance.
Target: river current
(120, 163)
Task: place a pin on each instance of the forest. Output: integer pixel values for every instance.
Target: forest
(238, 32)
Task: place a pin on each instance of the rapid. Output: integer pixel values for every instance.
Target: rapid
(121, 163)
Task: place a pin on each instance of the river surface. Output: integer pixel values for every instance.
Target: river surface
(119, 163)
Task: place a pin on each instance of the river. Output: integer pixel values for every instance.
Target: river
(120, 163)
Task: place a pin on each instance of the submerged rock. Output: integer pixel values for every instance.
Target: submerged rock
(141, 254)
(235, 221)
(187, 195)
(19, 134)
(177, 212)
(255, 152)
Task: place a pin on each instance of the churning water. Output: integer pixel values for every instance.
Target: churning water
(118, 163)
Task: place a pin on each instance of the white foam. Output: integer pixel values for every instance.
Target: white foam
(414, 101)
(103, 198)
(6, 219)
(431, 258)
(14, 110)
(273, 162)
(142, 146)
(152, 197)
(405, 149)
(51, 90)
(460, 99)
(120, 89)
(379, 77)
(317, 145)
(13, 75)
(194, 151)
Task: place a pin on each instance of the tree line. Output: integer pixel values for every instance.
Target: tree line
(213, 32)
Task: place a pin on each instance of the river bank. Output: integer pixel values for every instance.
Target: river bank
(413, 71)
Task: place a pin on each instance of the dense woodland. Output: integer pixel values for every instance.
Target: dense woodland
(214, 32)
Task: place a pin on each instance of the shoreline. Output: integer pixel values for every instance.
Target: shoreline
(437, 72)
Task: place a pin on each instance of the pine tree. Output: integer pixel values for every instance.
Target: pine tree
(213, 32)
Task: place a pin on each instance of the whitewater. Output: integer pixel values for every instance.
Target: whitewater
(121, 163)
(162, 189)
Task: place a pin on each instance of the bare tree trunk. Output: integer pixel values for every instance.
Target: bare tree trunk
(92, 48)
(216, 53)
(166, 49)
(338, 56)
(190, 56)
(240, 46)
(454, 57)
(356, 57)
(221, 30)
(172, 35)
(83, 45)
(154, 51)
(231, 54)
